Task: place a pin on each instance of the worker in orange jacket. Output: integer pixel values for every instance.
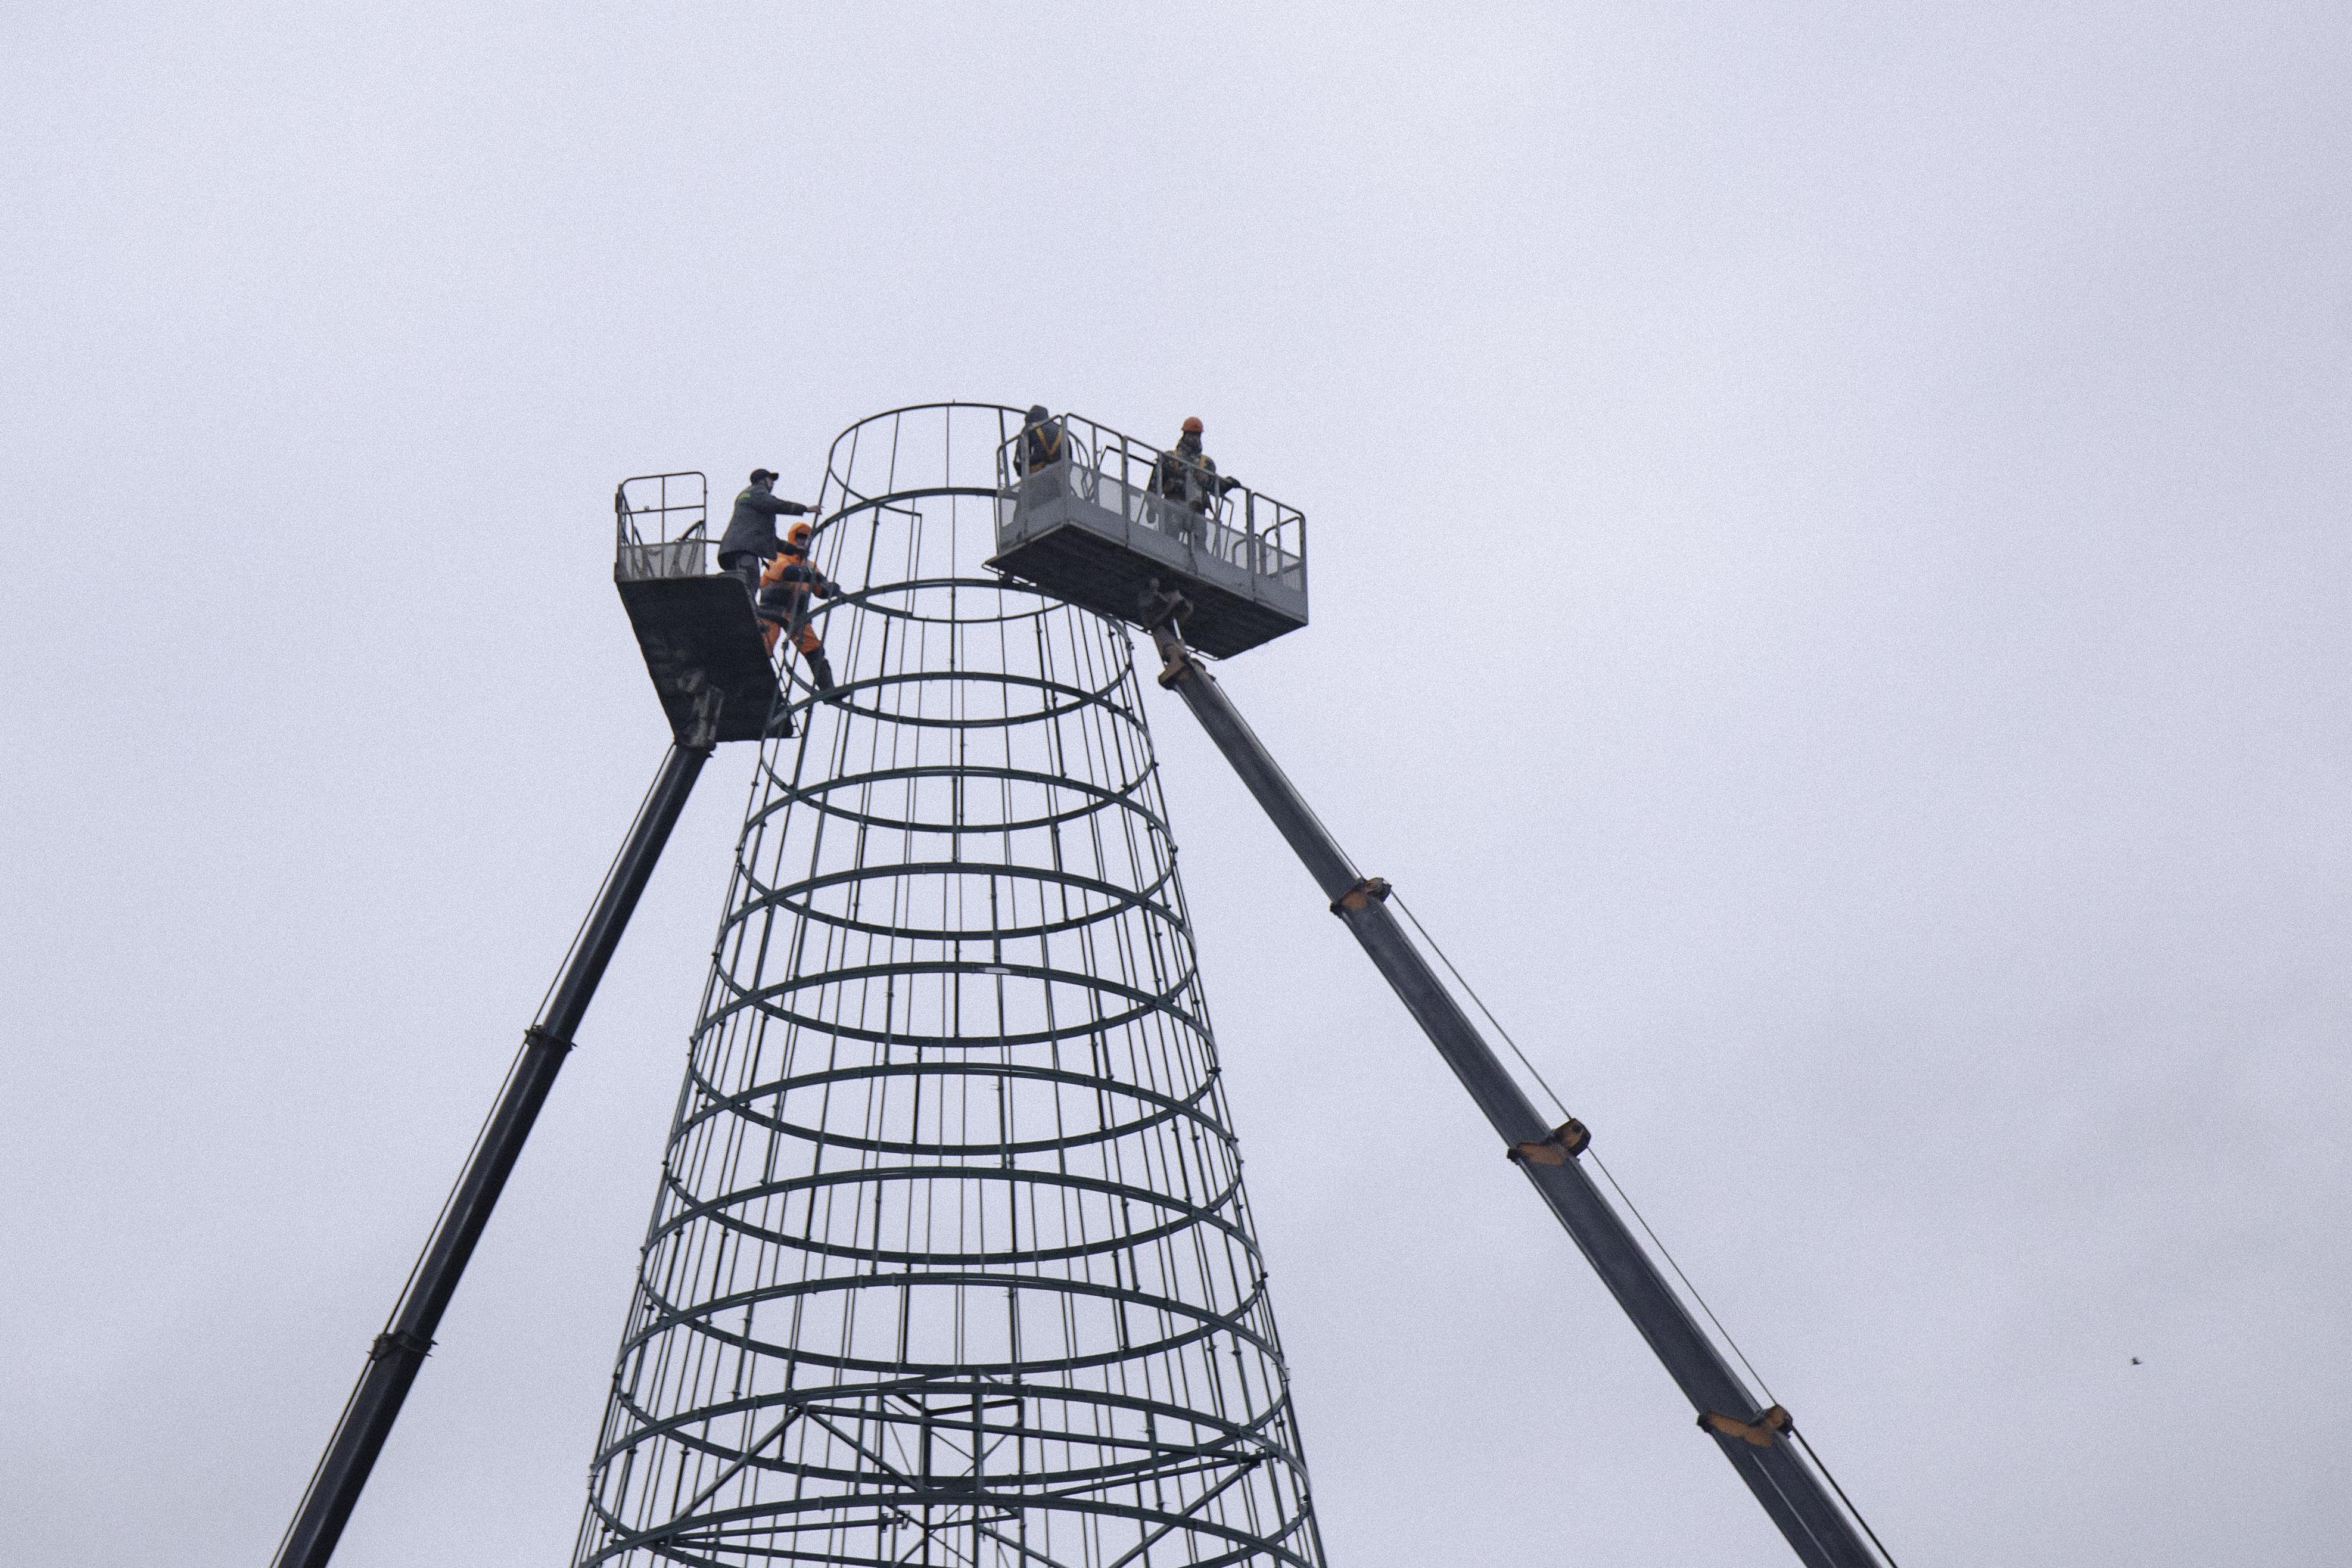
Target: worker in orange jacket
(785, 584)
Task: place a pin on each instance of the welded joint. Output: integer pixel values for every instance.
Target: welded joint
(1758, 1432)
(546, 1039)
(392, 1341)
(1363, 895)
(1563, 1143)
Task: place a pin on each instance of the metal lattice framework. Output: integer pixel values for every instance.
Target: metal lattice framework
(952, 1262)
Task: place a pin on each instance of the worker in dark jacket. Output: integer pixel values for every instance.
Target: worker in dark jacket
(785, 585)
(750, 538)
(1188, 476)
(1042, 443)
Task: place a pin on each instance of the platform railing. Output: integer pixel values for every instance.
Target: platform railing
(661, 527)
(1216, 514)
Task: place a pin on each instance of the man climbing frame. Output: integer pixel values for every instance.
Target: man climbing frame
(750, 537)
(784, 605)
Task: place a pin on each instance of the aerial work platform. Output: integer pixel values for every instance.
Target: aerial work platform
(694, 624)
(1094, 529)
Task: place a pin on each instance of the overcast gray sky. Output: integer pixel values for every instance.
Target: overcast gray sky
(1828, 563)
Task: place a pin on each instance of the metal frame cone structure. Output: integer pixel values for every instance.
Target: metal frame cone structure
(951, 1261)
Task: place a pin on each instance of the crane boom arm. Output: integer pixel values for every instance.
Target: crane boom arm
(399, 1351)
(1755, 1441)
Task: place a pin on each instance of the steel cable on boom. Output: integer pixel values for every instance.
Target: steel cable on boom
(1622, 1196)
(1627, 1199)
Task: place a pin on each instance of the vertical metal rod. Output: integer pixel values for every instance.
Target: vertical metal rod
(397, 1353)
(1817, 1529)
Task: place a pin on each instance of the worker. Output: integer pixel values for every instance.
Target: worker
(785, 585)
(1042, 443)
(750, 538)
(1189, 477)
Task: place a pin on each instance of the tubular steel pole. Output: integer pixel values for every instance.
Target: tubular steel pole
(1757, 1445)
(397, 1353)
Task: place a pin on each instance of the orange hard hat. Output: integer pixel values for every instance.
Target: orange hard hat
(1192, 425)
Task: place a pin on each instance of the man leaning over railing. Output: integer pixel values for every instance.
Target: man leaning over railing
(751, 539)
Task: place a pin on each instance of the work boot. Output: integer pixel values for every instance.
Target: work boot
(821, 673)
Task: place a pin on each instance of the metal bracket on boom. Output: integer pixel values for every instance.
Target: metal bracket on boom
(393, 1340)
(1370, 890)
(1163, 612)
(1568, 1140)
(1759, 1431)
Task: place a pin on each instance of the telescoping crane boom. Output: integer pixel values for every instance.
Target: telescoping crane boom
(1164, 542)
(1823, 1531)
(702, 649)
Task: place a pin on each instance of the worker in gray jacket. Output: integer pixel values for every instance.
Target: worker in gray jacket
(750, 538)
(1188, 476)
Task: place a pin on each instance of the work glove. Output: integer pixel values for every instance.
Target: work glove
(828, 589)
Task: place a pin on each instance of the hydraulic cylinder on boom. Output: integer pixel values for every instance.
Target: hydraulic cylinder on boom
(1824, 1533)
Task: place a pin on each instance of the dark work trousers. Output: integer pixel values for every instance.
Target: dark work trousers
(746, 567)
